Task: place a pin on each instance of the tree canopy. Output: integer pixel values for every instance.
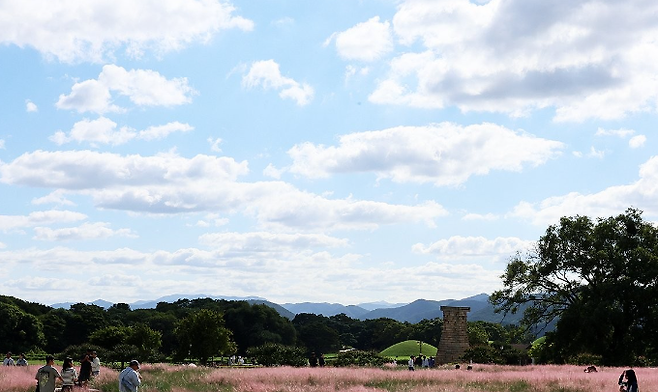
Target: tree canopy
(597, 281)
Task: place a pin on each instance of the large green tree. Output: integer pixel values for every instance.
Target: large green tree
(202, 335)
(597, 280)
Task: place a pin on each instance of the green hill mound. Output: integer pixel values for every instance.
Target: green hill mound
(407, 348)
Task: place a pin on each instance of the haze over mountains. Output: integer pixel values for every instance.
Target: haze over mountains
(413, 312)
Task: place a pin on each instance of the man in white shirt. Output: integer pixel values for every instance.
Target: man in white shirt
(129, 378)
(9, 361)
(95, 364)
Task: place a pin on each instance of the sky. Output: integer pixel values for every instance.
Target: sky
(342, 151)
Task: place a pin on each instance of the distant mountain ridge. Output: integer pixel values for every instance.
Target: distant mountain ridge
(413, 312)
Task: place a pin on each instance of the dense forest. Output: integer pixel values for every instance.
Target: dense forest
(204, 328)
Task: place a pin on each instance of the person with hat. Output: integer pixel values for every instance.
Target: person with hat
(129, 378)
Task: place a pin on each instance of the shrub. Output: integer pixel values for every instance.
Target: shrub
(273, 354)
(359, 358)
(585, 359)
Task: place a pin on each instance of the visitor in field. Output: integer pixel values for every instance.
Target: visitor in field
(69, 375)
(412, 362)
(85, 369)
(47, 375)
(95, 364)
(321, 361)
(8, 361)
(628, 381)
(426, 362)
(129, 378)
(21, 360)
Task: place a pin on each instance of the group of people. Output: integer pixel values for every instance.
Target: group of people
(47, 376)
(315, 361)
(90, 366)
(9, 361)
(420, 361)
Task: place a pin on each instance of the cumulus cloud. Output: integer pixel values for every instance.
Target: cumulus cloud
(141, 87)
(72, 31)
(443, 154)
(168, 183)
(30, 106)
(266, 74)
(466, 247)
(642, 194)
(37, 218)
(86, 231)
(637, 141)
(367, 41)
(592, 59)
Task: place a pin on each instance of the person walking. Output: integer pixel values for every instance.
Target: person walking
(129, 378)
(47, 376)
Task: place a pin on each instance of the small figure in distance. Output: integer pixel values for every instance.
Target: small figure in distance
(69, 375)
(47, 375)
(590, 369)
(457, 367)
(129, 378)
(8, 361)
(411, 363)
(321, 361)
(21, 360)
(313, 360)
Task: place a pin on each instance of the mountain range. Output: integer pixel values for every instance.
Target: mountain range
(413, 312)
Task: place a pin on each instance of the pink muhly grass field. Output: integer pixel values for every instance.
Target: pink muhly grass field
(483, 378)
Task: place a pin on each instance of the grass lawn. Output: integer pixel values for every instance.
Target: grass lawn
(407, 348)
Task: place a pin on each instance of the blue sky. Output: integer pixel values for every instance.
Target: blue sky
(326, 151)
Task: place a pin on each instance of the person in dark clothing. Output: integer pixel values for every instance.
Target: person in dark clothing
(313, 360)
(85, 369)
(628, 381)
(321, 360)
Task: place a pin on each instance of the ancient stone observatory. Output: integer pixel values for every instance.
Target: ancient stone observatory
(454, 337)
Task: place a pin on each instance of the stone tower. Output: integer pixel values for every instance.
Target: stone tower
(454, 338)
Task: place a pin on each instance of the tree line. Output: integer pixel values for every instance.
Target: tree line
(202, 328)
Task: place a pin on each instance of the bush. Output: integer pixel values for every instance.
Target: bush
(359, 358)
(274, 354)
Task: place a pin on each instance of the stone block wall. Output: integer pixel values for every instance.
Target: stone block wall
(454, 337)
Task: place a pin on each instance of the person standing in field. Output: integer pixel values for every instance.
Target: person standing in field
(69, 375)
(129, 378)
(47, 375)
(95, 364)
(411, 363)
(85, 369)
(628, 381)
(8, 361)
(21, 360)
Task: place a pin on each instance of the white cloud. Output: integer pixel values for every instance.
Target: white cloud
(637, 141)
(272, 172)
(142, 87)
(168, 183)
(215, 144)
(266, 74)
(162, 131)
(586, 60)
(87, 231)
(367, 41)
(259, 243)
(30, 106)
(594, 153)
(460, 247)
(642, 194)
(443, 154)
(2, 246)
(480, 217)
(622, 133)
(12, 222)
(93, 30)
(104, 131)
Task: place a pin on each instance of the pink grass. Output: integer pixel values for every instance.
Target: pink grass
(21, 379)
